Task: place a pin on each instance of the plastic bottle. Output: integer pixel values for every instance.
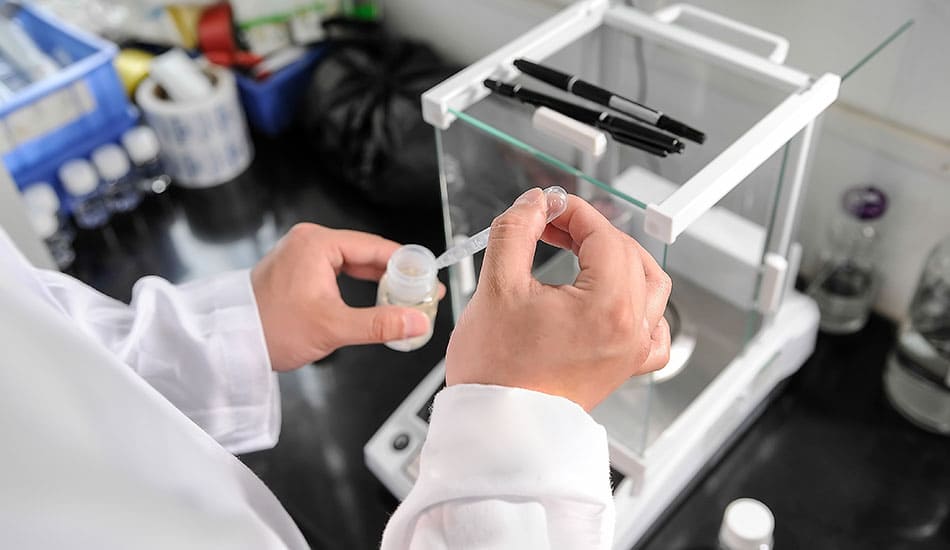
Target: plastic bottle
(410, 280)
(917, 378)
(41, 197)
(81, 182)
(143, 148)
(120, 187)
(847, 282)
(59, 241)
(747, 524)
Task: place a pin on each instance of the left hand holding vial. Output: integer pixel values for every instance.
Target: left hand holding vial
(302, 313)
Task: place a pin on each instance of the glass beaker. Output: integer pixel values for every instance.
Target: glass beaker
(917, 378)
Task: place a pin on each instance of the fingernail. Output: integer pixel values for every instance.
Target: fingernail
(415, 323)
(531, 196)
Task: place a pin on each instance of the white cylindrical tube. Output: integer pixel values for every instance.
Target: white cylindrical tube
(204, 142)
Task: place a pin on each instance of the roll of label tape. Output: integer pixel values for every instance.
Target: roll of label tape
(205, 142)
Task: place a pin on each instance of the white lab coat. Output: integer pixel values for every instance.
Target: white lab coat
(116, 423)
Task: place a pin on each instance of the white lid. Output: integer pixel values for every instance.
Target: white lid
(41, 197)
(411, 273)
(111, 161)
(747, 524)
(78, 177)
(141, 143)
(44, 223)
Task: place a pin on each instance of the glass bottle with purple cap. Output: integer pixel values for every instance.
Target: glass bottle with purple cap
(847, 282)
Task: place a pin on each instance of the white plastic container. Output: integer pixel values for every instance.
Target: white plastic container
(141, 143)
(410, 281)
(80, 180)
(120, 190)
(41, 197)
(58, 240)
(747, 524)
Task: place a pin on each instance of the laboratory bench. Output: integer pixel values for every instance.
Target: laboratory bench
(836, 464)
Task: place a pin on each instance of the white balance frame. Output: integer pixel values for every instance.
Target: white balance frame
(655, 477)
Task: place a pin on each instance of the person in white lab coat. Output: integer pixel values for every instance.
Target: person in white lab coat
(118, 421)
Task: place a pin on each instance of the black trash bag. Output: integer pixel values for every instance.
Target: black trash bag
(363, 115)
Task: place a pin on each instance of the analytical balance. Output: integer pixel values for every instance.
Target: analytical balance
(720, 217)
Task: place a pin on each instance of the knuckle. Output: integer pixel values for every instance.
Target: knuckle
(507, 225)
(301, 232)
(619, 314)
(643, 347)
(664, 284)
(386, 327)
(515, 219)
(492, 284)
(299, 229)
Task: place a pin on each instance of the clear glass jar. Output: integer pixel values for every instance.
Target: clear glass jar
(917, 378)
(410, 281)
(847, 282)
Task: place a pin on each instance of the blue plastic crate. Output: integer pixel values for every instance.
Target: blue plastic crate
(66, 115)
(271, 105)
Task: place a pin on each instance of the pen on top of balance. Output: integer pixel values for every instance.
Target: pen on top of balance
(624, 131)
(581, 88)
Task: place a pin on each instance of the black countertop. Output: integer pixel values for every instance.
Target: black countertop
(837, 466)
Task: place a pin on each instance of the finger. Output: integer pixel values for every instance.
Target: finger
(374, 325)
(513, 241)
(658, 286)
(559, 238)
(360, 255)
(659, 349)
(602, 253)
(364, 273)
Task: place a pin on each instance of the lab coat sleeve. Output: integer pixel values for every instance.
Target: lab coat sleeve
(199, 344)
(507, 468)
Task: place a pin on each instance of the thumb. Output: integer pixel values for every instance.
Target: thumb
(375, 325)
(514, 239)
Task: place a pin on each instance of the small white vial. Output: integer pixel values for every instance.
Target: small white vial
(57, 239)
(41, 197)
(410, 281)
(747, 524)
(80, 180)
(143, 148)
(120, 188)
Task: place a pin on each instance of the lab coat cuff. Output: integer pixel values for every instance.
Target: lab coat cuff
(486, 441)
(249, 419)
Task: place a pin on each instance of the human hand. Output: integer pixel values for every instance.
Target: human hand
(302, 313)
(578, 341)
